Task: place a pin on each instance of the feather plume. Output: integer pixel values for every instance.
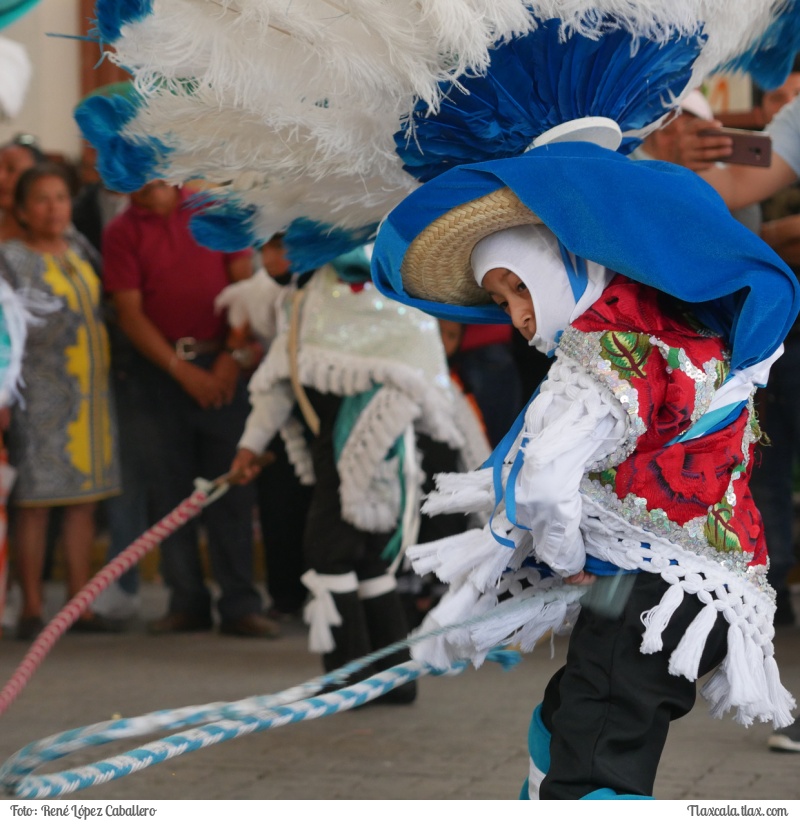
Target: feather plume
(302, 110)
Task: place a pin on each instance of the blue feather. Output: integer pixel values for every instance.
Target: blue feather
(769, 61)
(124, 164)
(310, 245)
(112, 15)
(227, 225)
(539, 81)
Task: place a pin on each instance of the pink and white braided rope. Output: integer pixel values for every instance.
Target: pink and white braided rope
(184, 512)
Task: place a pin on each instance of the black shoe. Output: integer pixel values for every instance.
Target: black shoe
(280, 616)
(252, 625)
(29, 628)
(180, 622)
(786, 739)
(400, 696)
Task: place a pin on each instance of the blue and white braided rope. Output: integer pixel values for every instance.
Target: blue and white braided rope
(239, 723)
(216, 722)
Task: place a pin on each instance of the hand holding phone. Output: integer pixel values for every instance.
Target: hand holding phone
(746, 148)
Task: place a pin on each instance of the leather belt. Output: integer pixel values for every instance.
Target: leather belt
(189, 348)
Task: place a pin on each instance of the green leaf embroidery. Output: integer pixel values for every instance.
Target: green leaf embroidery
(674, 358)
(607, 477)
(718, 531)
(721, 373)
(627, 352)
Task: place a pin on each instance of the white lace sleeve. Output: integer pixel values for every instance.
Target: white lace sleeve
(571, 424)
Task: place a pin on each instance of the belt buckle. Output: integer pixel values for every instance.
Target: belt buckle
(185, 348)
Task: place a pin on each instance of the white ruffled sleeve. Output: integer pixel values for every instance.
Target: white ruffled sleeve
(271, 410)
(574, 422)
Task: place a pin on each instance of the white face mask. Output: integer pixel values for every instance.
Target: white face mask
(533, 254)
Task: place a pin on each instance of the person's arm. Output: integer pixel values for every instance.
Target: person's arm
(226, 369)
(783, 235)
(738, 185)
(148, 340)
(741, 186)
(271, 409)
(568, 426)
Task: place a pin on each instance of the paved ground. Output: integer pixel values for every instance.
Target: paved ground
(465, 737)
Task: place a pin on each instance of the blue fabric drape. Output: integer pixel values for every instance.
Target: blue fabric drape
(656, 223)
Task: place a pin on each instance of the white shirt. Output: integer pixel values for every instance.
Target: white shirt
(573, 423)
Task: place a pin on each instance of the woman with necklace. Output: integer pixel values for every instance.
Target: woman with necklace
(63, 436)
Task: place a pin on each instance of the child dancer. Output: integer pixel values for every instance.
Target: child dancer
(368, 375)
(632, 461)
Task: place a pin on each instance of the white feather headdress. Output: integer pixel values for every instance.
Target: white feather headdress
(327, 110)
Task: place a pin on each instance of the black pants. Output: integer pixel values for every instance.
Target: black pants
(609, 708)
(282, 508)
(331, 545)
(200, 442)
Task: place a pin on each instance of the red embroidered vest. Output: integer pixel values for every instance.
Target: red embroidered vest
(664, 368)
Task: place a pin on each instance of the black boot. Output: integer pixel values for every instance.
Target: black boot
(386, 622)
(351, 637)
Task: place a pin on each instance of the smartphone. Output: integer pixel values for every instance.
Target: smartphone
(749, 148)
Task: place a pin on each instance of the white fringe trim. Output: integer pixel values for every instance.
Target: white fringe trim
(370, 484)
(347, 374)
(747, 680)
(462, 492)
(297, 451)
(472, 556)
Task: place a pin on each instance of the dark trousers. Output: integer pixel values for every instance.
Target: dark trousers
(128, 514)
(283, 507)
(491, 374)
(332, 546)
(195, 442)
(772, 481)
(609, 708)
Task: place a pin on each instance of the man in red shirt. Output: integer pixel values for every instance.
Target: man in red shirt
(163, 285)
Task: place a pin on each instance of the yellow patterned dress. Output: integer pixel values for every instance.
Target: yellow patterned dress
(63, 436)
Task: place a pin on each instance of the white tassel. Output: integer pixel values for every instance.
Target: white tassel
(461, 492)
(717, 691)
(685, 659)
(656, 619)
(499, 628)
(740, 685)
(454, 608)
(472, 556)
(550, 619)
(760, 704)
(781, 701)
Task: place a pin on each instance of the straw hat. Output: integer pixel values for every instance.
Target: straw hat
(437, 264)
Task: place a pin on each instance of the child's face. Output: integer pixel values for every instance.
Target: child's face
(273, 256)
(513, 297)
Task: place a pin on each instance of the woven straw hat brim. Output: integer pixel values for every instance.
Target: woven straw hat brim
(436, 265)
